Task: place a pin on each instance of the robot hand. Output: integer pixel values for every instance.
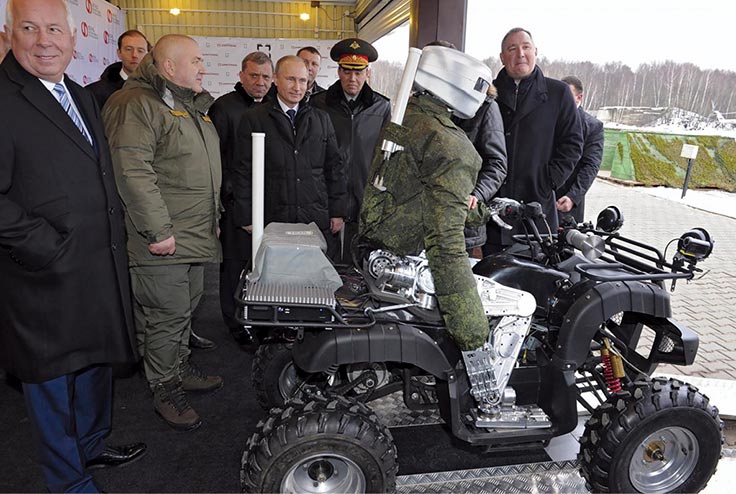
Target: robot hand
(504, 207)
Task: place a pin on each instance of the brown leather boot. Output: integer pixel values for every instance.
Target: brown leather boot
(171, 404)
(194, 380)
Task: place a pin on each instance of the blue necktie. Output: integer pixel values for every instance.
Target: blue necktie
(292, 114)
(64, 100)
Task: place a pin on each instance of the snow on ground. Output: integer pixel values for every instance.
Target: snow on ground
(677, 128)
(715, 201)
(675, 121)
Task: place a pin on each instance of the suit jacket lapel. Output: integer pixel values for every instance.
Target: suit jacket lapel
(40, 97)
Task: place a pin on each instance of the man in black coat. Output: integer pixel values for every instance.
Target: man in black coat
(313, 59)
(485, 131)
(544, 140)
(358, 114)
(65, 307)
(572, 193)
(305, 177)
(132, 47)
(255, 81)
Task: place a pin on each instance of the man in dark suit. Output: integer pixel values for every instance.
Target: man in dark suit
(305, 177)
(542, 129)
(572, 193)
(65, 311)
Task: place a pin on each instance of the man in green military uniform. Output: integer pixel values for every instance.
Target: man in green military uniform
(419, 198)
(166, 158)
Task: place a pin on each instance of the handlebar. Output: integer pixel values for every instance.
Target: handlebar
(642, 261)
(509, 209)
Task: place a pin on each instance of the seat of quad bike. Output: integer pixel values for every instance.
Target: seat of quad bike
(292, 255)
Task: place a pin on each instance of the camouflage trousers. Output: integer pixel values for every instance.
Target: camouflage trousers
(438, 228)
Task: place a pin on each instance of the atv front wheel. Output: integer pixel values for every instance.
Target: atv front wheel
(656, 436)
(327, 445)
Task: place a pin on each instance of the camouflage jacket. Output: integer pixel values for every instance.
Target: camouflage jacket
(434, 174)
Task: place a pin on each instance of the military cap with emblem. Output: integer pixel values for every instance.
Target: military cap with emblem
(353, 54)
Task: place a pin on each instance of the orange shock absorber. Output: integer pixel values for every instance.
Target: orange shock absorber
(613, 382)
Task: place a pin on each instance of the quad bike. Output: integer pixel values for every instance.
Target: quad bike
(581, 316)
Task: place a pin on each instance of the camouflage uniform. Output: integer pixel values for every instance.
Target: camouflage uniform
(425, 206)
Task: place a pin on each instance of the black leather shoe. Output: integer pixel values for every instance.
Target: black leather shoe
(244, 337)
(200, 343)
(117, 456)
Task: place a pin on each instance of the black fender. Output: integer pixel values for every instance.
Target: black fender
(317, 351)
(583, 319)
(641, 302)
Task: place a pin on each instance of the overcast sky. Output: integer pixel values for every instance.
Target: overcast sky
(702, 32)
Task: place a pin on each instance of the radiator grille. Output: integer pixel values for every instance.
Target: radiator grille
(288, 294)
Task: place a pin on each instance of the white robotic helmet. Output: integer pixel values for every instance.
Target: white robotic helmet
(458, 79)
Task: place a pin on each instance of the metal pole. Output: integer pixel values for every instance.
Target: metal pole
(258, 185)
(405, 86)
(687, 177)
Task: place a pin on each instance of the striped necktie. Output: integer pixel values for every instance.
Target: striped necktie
(67, 104)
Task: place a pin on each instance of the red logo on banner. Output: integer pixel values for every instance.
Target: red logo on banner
(106, 37)
(109, 15)
(84, 79)
(74, 54)
(89, 6)
(85, 29)
(91, 59)
(104, 61)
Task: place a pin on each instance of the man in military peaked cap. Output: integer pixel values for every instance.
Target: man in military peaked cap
(353, 53)
(358, 114)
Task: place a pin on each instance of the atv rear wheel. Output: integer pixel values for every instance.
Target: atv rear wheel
(275, 377)
(327, 445)
(656, 436)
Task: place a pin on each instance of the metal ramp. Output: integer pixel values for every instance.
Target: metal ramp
(532, 478)
(552, 476)
(556, 476)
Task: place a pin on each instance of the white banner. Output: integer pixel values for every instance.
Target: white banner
(223, 56)
(98, 24)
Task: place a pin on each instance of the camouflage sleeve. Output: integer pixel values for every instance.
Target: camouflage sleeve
(448, 171)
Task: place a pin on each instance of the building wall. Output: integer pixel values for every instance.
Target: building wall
(239, 18)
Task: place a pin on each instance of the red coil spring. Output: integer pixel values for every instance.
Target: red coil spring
(613, 383)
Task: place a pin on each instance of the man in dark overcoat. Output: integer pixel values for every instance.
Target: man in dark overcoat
(132, 47)
(358, 114)
(571, 197)
(544, 139)
(65, 310)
